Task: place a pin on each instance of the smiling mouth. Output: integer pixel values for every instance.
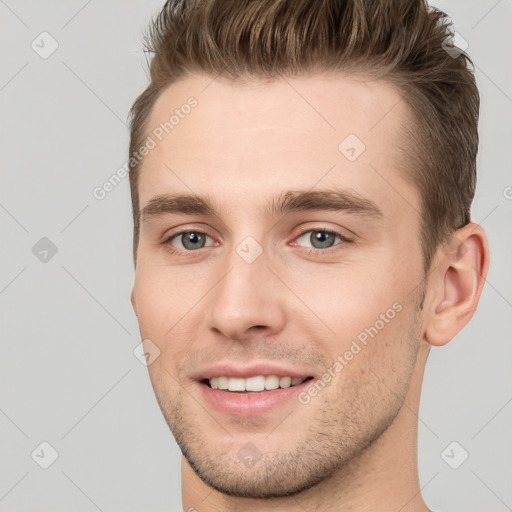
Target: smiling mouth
(255, 384)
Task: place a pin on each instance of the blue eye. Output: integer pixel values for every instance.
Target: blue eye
(317, 241)
(320, 239)
(189, 240)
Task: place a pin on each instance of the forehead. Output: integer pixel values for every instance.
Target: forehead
(321, 108)
(257, 137)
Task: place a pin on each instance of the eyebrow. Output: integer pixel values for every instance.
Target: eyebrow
(287, 202)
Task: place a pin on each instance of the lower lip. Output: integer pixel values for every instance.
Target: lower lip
(249, 404)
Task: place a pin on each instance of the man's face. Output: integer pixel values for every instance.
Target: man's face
(266, 285)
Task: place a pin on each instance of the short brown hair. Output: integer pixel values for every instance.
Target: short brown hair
(401, 41)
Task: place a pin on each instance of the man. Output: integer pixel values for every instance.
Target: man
(302, 175)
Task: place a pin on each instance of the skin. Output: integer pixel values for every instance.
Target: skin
(353, 447)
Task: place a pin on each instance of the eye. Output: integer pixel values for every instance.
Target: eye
(320, 238)
(313, 239)
(189, 240)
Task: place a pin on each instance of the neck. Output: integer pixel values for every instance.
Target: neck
(383, 478)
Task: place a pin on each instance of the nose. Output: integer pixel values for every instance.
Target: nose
(248, 301)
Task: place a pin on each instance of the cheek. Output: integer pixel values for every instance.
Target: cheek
(167, 309)
(349, 300)
(370, 316)
(375, 365)
(162, 299)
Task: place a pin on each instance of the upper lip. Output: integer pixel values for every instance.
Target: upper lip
(229, 370)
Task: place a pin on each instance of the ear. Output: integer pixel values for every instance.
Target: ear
(457, 282)
(132, 300)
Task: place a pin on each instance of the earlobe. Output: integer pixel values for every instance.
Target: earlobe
(132, 300)
(458, 282)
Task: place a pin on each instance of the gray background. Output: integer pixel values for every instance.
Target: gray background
(68, 375)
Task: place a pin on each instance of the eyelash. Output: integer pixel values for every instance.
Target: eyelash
(309, 250)
(327, 251)
(174, 250)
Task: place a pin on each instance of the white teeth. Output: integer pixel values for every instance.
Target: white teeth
(236, 384)
(271, 382)
(222, 382)
(254, 384)
(285, 382)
